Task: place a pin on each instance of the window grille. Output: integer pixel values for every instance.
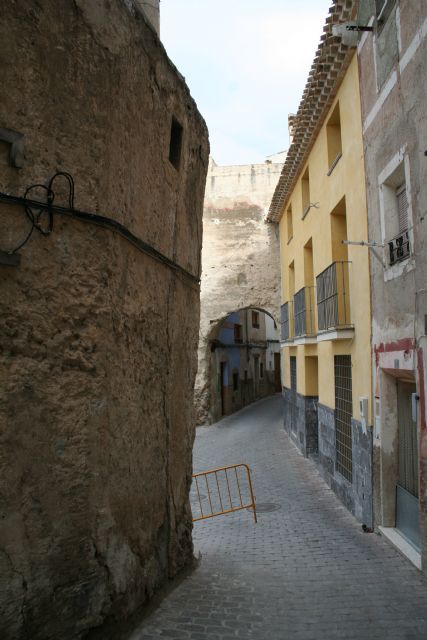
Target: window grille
(304, 312)
(343, 413)
(293, 398)
(333, 300)
(399, 248)
(284, 318)
(293, 368)
(299, 311)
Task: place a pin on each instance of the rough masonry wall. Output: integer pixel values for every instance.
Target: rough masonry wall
(395, 132)
(97, 340)
(240, 257)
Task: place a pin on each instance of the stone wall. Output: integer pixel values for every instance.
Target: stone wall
(97, 339)
(300, 420)
(355, 495)
(240, 258)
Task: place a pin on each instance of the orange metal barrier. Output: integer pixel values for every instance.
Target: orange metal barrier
(228, 489)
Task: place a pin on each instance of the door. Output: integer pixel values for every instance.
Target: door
(222, 375)
(256, 375)
(277, 374)
(407, 498)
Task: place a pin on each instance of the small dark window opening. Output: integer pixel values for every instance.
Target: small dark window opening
(255, 319)
(238, 333)
(175, 143)
(235, 381)
(261, 370)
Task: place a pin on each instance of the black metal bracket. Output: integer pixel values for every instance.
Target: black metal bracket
(16, 141)
(358, 27)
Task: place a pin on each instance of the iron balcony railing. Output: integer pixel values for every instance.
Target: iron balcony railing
(287, 321)
(399, 247)
(304, 312)
(333, 297)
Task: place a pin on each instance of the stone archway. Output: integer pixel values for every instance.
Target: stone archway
(241, 354)
(240, 257)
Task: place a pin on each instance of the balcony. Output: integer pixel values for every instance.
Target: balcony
(333, 303)
(304, 321)
(399, 248)
(287, 321)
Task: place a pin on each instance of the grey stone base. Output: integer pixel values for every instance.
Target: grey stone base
(300, 420)
(355, 495)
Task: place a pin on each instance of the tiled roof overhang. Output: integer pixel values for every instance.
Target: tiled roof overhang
(327, 71)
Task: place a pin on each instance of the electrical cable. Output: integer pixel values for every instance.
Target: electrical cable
(34, 210)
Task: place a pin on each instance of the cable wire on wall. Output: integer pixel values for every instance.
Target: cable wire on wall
(37, 211)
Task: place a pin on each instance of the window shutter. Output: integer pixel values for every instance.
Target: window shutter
(402, 208)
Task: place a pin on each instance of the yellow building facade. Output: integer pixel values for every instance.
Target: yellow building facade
(326, 328)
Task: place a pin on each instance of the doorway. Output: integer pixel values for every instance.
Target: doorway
(222, 376)
(407, 495)
(277, 373)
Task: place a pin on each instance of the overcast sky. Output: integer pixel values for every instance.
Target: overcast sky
(246, 63)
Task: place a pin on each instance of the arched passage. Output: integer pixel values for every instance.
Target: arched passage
(243, 360)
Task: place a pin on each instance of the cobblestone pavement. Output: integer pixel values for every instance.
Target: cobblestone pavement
(305, 571)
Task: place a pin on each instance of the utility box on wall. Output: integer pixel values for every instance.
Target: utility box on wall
(363, 410)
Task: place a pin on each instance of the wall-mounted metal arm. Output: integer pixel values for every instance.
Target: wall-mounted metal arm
(371, 246)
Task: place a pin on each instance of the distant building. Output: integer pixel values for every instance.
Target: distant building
(240, 261)
(245, 361)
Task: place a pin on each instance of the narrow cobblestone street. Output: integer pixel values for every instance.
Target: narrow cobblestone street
(305, 571)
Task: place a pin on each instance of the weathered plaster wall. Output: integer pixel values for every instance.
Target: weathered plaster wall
(97, 341)
(395, 133)
(240, 257)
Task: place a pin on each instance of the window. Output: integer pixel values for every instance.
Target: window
(399, 246)
(305, 189)
(395, 211)
(289, 225)
(293, 370)
(343, 413)
(261, 370)
(333, 137)
(235, 381)
(238, 333)
(175, 143)
(293, 394)
(255, 319)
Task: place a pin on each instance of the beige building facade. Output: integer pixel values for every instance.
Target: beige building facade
(320, 205)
